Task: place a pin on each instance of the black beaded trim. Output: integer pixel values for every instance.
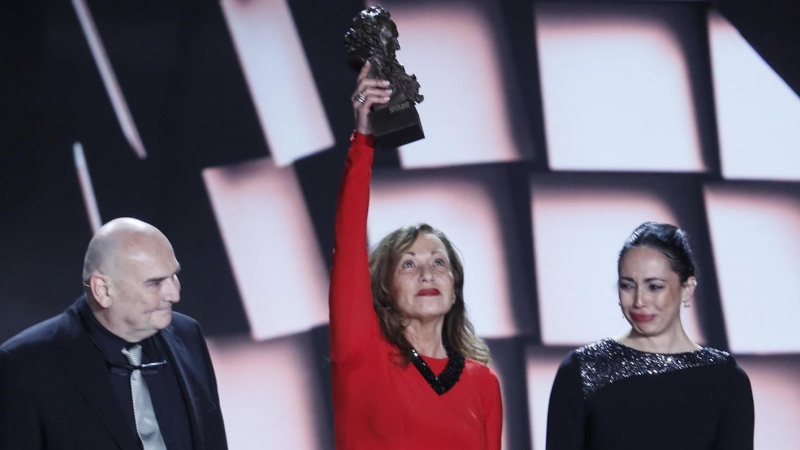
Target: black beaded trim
(447, 379)
(607, 361)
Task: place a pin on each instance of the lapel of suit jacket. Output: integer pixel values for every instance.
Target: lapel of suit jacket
(86, 367)
(192, 388)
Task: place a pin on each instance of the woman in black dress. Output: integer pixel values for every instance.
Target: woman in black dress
(653, 387)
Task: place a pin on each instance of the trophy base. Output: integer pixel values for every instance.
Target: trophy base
(396, 124)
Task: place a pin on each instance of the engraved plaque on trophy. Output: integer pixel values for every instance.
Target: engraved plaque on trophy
(373, 38)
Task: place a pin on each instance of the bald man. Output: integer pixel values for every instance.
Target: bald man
(70, 382)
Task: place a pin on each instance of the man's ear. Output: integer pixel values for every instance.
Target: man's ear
(101, 291)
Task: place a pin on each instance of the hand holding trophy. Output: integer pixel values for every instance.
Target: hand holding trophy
(371, 44)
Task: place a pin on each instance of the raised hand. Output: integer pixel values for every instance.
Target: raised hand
(369, 91)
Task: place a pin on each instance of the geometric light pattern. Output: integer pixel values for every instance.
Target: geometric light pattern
(279, 78)
(459, 60)
(110, 82)
(616, 88)
(85, 180)
(756, 239)
(269, 392)
(277, 264)
(757, 112)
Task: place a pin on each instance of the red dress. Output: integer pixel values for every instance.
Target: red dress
(379, 403)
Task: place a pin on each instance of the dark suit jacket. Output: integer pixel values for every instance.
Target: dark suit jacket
(55, 392)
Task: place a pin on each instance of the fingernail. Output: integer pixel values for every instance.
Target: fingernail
(385, 83)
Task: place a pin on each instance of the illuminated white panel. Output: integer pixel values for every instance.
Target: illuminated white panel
(541, 367)
(279, 78)
(469, 210)
(756, 240)
(616, 89)
(757, 112)
(271, 246)
(456, 57)
(577, 235)
(776, 395)
(269, 394)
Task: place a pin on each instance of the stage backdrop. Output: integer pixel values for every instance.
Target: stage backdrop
(553, 130)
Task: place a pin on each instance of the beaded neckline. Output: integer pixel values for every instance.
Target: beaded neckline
(644, 352)
(447, 379)
(608, 361)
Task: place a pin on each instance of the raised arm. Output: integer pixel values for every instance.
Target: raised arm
(353, 324)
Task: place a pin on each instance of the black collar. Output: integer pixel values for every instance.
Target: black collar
(110, 346)
(448, 378)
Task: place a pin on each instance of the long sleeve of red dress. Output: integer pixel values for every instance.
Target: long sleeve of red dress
(379, 402)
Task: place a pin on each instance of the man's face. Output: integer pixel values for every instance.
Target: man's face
(143, 287)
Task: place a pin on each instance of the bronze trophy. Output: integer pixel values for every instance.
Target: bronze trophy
(373, 38)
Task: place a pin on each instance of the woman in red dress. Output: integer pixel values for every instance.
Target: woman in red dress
(408, 370)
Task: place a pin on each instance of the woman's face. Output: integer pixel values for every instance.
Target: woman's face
(650, 292)
(423, 280)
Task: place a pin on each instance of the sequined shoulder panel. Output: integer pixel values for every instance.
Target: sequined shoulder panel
(607, 361)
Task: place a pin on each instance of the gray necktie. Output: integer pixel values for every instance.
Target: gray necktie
(146, 424)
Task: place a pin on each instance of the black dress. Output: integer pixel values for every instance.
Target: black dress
(609, 396)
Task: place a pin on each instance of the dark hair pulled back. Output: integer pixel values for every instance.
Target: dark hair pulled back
(668, 239)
